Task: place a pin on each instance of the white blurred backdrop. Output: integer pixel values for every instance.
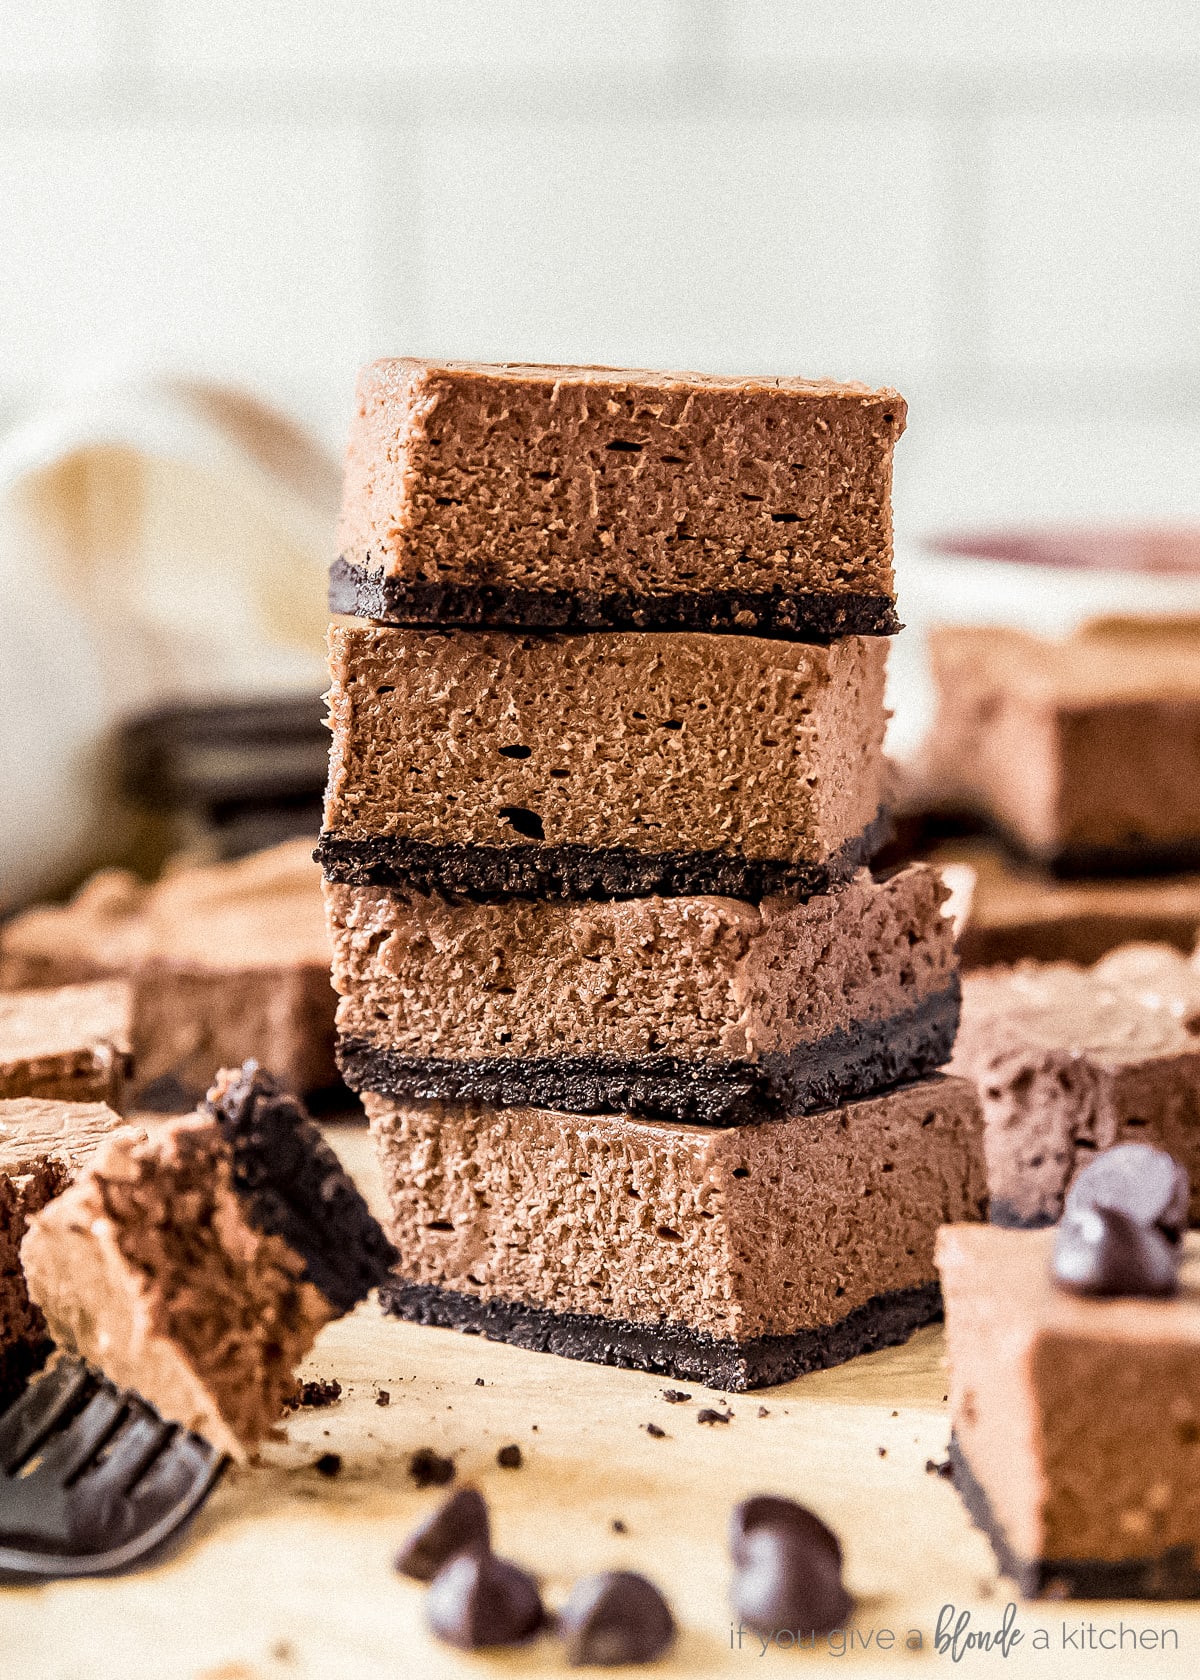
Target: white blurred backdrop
(989, 203)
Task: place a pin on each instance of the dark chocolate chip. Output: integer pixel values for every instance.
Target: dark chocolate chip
(510, 1457)
(788, 1580)
(675, 1396)
(1145, 1184)
(1099, 1251)
(771, 1510)
(460, 1524)
(479, 1382)
(329, 1464)
(477, 1599)
(655, 1432)
(383, 1398)
(707, 1414)
(430, 1469)
(617, 1617)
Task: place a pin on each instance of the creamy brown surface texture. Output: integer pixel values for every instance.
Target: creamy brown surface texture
(150, 1268)
(699, 976)
(71, 1043)
(226, 961)
(1086, 751)
(1078, 1418)
(676, 744)
(1069, 1060)
(736, 1233)
(42, 1145)
(600, 480)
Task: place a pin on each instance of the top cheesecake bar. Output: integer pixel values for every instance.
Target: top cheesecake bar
(586, 498)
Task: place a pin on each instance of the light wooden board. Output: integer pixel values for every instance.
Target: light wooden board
(287, 1574)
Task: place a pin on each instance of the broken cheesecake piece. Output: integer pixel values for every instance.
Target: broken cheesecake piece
(583, 498)
(1076, 1419)
(601, 766)
(227, 962)
(71, 1043)
(43, 1144)
(1084, 753)
(702, 1009)
(1070, 1060)
(737, 1257)
(198, 1265)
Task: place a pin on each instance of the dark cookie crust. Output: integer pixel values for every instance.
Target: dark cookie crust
(582, 872)
(670, 1349)
(832, 1070)
(1173, 1574)
(818, 616)
(18, 1362)
(292, 1185)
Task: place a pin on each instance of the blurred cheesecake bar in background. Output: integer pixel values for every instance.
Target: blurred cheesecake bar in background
(227, 962)
(71, 1043)
(584, 498)
(1084, 753)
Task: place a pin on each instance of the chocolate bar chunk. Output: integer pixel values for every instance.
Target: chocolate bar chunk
(599, 498)
(71, 1043)
(600, 766)
(197, 1266)
(701, 1009)
(1084, 753)
(226, 962)
(1076, 1420)
(42, 1145)
(1070, 1060)
(735, 1257)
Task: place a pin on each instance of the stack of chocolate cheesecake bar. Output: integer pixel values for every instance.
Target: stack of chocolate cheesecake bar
(648, 1052)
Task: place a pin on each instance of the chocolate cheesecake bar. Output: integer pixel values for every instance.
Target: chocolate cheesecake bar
(227, 961)
(198, 1265)
(1071, 1060)
(584, 498)
(72, 1043)
(702, 1009)
(1013, 911)
(42, 1146)
(737, 1257)
(601, 766)
(1076, 1420)
(1083, 753)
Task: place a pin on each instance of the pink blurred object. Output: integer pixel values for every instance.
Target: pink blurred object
(1160, 549)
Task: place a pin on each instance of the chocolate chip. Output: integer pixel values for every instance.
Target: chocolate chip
(618, 1617)
(771, 1510)
(383, 1398)
(477, 1599)
(788, 1580)
(1145, 1184)
(707, 1414)
(1099, 1251)
(329, 1464)
(655, 1432)
(675, 1396)
(319, 1393)
(510, 1458)
(429, 1469)
(763, 1412)
(460, 1524)
(479, 1382)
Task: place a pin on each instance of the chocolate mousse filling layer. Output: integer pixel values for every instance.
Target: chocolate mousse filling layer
(672, 1349)
(584, 872)
(1174, 1573)
(790, 615)
(869, 1057)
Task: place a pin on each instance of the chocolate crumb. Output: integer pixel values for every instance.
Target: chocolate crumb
(429, 1469)
(882, 1451)
(319, 1392)
(618, 1527)
(763, 1412)
(708, 1414)
(383, 1398)
(895, 1414)
(479, 1382)
(658, 1434)
(510, 1457)
(933, 1468)
(329, 1464)
(675, 1396)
